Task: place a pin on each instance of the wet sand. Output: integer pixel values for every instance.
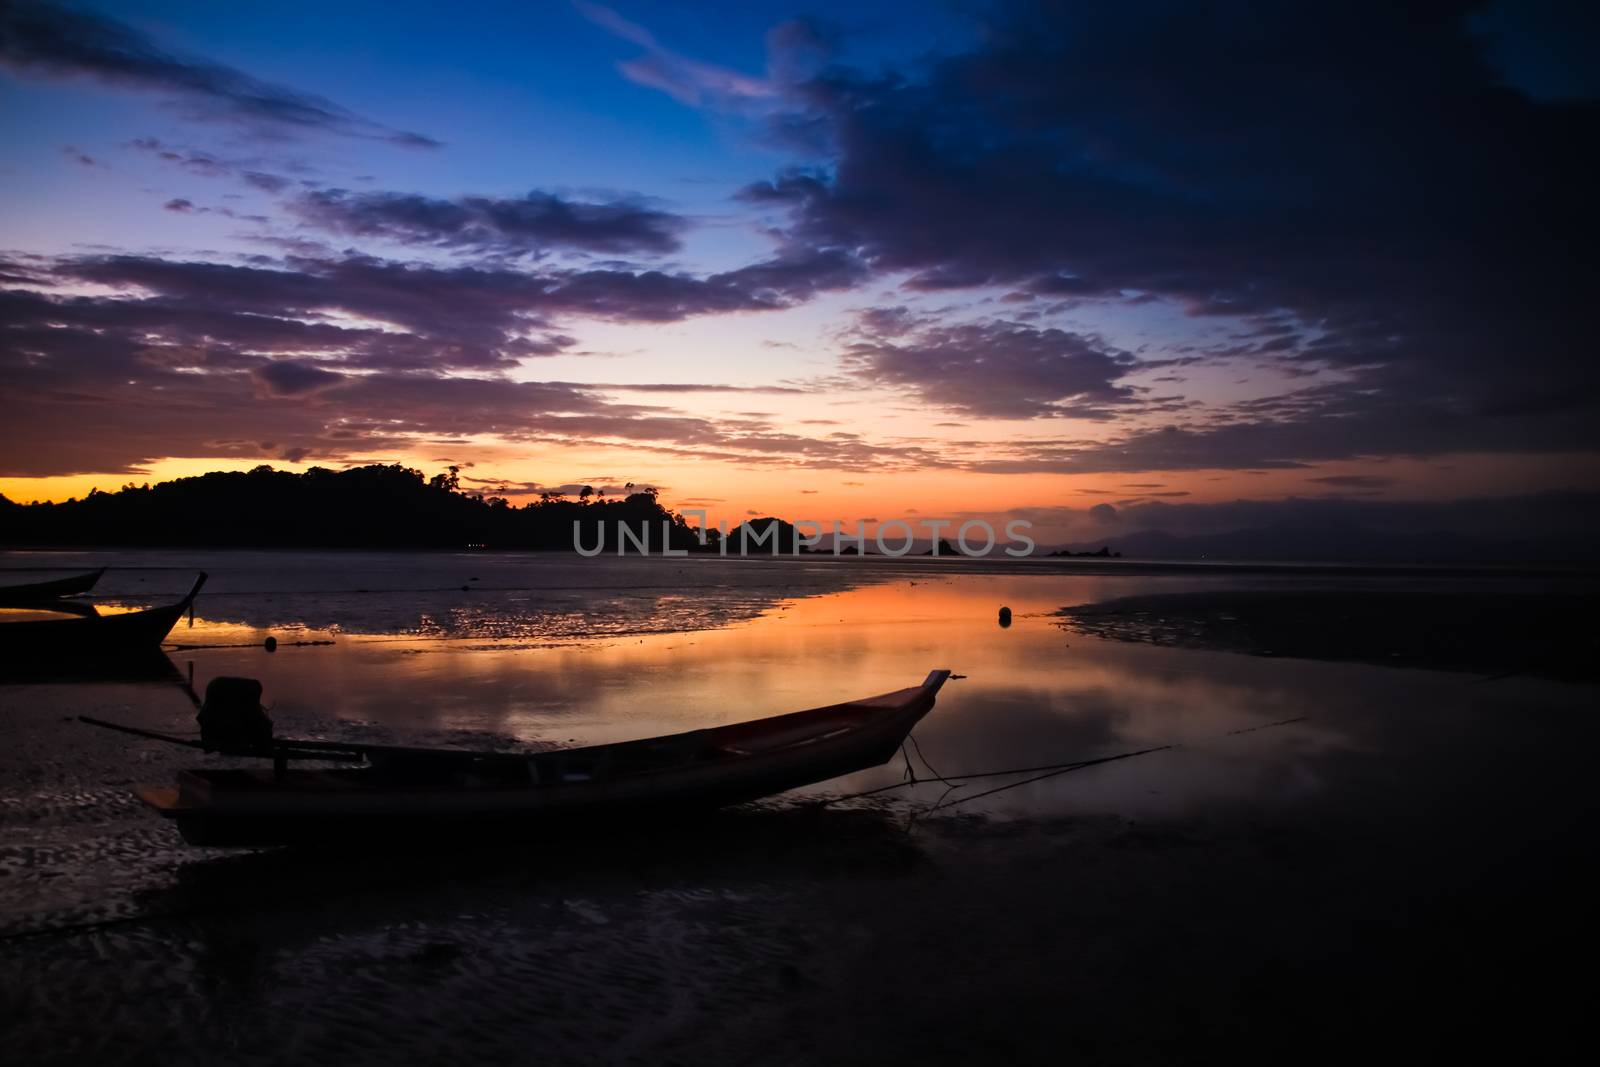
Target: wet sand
(800, 937)
(1336, 860)
(1489, 633)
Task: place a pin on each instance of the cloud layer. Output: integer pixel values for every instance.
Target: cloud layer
(1352, 184)
(494, 225)
(48, 39)
(1356, 237)
(999, 369)
(328, 358)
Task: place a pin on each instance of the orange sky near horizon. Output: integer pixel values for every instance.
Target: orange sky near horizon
(729, 492)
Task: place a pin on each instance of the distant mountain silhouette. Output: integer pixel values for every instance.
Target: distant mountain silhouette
(364, 507)
(1103, 552)
(1335, 541)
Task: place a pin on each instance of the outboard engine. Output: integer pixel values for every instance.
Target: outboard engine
(232, 718)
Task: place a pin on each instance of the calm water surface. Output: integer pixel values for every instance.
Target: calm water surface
(483, 648)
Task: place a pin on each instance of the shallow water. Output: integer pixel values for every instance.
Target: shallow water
(1302, 806)
(489, 650)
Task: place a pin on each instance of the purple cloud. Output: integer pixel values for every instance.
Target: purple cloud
(500, 225)
(225, 361)
(44, 38)
(998, 369)
(287, 377)
(1361, 218)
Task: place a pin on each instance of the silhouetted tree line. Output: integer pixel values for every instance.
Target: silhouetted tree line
(365, 507)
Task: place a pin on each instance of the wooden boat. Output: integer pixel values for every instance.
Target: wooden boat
(132, 633)
(34, 592)
(417, 794)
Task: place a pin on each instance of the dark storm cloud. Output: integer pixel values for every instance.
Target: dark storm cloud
(44, 38)
(1356, 174)
(499, 225)
(999, 369)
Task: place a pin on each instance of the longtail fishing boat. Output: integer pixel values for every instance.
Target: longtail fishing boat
(418, 794)
(90, 635)
(36, 592)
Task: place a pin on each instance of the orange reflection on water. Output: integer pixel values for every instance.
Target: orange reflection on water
(1033, 694)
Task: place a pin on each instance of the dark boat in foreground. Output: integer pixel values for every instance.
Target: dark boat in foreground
(34, 592)
(127, 634)
(420, 794)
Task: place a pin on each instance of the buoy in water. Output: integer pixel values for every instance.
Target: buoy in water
(1005, 616)
(270, 644)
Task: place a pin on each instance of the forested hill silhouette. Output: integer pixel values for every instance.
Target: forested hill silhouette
(364, 507)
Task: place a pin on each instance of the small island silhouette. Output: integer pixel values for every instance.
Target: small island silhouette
(378, 506)
(387, 506)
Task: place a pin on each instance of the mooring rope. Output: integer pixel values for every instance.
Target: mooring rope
(1041, 772)
(1068, 768)
(959, 781)
(1268, 725)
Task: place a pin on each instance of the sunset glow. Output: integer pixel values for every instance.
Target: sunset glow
(587, 246)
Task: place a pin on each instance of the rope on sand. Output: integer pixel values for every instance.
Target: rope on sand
(1267, 725)
(953, 782)
(1066, 769)
(959, 781)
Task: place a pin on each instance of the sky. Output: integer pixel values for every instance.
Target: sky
(1107, 267)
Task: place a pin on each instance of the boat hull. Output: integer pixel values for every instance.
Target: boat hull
(35, 592)
(92, 637)
(726, 765)
(137, 633)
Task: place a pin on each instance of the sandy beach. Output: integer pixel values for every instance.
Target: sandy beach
(1329, 851)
